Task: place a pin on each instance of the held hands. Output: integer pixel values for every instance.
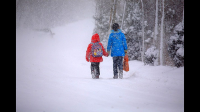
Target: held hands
(108, 53)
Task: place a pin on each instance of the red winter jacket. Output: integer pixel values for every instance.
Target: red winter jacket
(89, 57)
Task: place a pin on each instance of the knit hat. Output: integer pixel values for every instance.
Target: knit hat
(115, 26)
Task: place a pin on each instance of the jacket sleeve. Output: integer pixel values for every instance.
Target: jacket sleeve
(104, 51)
(109, 43)
(124, 42)
(88, 51)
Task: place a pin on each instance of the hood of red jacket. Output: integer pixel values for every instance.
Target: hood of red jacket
(95, 38)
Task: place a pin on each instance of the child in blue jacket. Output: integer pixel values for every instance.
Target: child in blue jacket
(118, 46)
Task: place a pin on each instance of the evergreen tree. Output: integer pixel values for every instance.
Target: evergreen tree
(176, 45)
(102, 19)
(150, 56)
(132, 28)
(148, 27)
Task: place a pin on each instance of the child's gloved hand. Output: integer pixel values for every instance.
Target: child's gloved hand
(125, 52)
(108, 53)
(87, 60)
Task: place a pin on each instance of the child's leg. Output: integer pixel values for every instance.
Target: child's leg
(97, 70)
(92, 70)
(120, 66)
(120, 63)
(95, 67)
(92, 66)
(115, 63)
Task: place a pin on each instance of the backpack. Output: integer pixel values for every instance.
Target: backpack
(96, 50)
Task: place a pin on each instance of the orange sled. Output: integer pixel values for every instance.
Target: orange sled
(125, 63)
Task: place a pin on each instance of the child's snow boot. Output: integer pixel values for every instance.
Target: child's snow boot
(121, 74)
(115, 77)
(97, 77)
(93, 75)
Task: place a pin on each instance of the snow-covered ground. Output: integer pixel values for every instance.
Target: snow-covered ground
(52, 75)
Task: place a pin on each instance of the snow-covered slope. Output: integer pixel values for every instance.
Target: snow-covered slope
(52, 75)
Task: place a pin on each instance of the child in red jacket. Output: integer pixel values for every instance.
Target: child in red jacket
(95, 61)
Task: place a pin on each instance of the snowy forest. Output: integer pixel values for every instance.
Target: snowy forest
(53, 75)
(154, 29)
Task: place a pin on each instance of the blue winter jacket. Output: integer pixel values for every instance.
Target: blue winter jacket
(117, 43)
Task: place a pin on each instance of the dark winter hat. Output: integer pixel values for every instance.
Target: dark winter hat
(115, 26)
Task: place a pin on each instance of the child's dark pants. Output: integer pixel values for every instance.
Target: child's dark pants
(117, 62)
(95, 65)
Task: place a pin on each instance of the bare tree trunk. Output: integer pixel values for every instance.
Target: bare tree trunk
(112, 15)
(142, 32)
(114, 12)
(110, 21)
(161, 35)
(156, 32)
(156, 23)
(123, 14)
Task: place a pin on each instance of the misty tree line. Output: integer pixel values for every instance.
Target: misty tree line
(46, 14)
(154, 29)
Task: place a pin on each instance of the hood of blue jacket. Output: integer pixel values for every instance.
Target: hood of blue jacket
(112, 31)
